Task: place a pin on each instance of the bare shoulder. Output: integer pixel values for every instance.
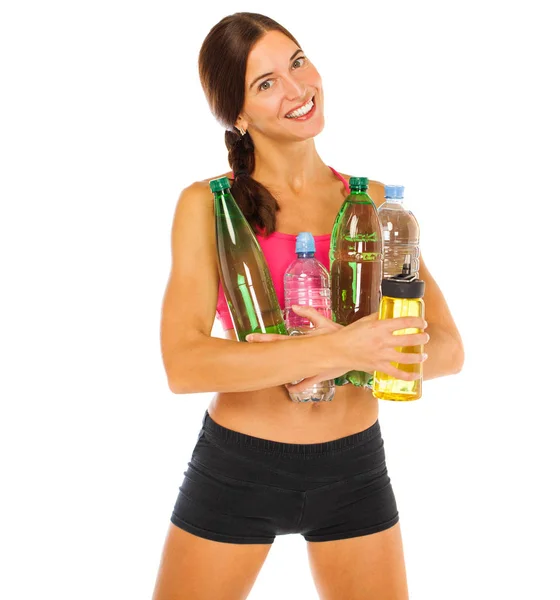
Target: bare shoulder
(373, 184)
(198, 194)
(376, 190)
(194, 212)
(204, 184)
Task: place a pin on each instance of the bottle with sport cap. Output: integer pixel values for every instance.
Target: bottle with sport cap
(307, 283)
(402, 297)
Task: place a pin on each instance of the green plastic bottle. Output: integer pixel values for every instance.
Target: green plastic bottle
(356, 265)
(244, 274)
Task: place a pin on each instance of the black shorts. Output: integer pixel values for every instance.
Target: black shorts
(243, 489)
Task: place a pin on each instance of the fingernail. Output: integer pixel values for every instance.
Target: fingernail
(424, 356)
(296, 306)
(249, 338)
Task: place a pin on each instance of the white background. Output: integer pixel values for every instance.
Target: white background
(103, 123)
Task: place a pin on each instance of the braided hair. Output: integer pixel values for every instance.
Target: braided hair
(222, 64)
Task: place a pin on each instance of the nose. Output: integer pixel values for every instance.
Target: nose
(294, 88)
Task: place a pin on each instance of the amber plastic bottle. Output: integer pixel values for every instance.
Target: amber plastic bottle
(356, 265)
(401, 297)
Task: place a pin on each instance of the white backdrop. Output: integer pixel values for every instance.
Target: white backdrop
(103, 123)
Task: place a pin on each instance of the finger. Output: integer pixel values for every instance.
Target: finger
(392, 371)
(399, 323)
(409, 339)
(406, 358)
(265, 337)
(316, 317)
(371, 317)
(303, 385)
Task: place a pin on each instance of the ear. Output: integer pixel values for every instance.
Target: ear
(242, 123)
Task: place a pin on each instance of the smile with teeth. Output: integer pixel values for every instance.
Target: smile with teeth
(300, 112)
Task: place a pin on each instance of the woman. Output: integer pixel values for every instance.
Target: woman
(264, 465)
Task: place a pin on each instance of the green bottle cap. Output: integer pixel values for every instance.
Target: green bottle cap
(217, 185)
(360, 183)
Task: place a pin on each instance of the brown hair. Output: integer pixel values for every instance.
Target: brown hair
(222, 64)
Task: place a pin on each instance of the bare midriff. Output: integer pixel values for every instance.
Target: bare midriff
(272, 415)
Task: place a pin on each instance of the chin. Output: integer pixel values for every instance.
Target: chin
(313, 128)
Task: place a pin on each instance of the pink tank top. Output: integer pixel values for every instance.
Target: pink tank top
(279, 252)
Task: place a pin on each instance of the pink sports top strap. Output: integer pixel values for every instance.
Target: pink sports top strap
(346, 185)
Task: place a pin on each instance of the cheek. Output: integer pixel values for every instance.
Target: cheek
(265, 108)
(271, 105)
(315, 78)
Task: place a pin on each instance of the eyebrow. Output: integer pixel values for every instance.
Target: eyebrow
(267, 74)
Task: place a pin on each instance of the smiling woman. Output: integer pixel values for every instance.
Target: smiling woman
(264, 465)
(291, 85)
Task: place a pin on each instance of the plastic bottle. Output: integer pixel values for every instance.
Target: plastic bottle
(307, 283)
(356, 264)
(402, 297)
(244, 273)
(401, 233)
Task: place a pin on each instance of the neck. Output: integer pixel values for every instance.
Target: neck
(289, 165)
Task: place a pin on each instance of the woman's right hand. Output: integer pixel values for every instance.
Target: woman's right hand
(369, 345)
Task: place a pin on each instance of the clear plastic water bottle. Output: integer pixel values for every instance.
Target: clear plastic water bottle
(401, 233)
(307, 283)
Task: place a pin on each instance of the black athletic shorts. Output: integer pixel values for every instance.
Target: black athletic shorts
(243, 489)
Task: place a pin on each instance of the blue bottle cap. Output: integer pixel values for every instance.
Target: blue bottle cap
(394, 191)
(305, 242)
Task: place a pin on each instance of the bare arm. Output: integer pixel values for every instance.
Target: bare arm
(445, 348)
(196, 362)
(213, 364)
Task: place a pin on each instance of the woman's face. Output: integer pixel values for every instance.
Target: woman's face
(280, 79)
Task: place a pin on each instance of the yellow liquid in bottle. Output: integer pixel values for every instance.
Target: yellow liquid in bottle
(386, 387)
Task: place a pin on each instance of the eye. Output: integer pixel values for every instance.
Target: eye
(267, 83)
(301, 60)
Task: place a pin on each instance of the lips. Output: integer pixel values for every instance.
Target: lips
(298, 107)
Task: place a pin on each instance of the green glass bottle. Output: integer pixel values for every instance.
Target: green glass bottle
(244, 274)
(356, 265)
